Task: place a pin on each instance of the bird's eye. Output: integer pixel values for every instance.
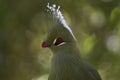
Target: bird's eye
(58, 41)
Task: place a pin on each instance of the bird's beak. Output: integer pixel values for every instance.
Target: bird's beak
(44, 45)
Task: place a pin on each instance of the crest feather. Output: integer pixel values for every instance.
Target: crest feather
(57, 15)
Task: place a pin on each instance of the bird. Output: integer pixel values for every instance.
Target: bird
(66, 62)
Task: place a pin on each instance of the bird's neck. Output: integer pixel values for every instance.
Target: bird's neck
(67, 50)
(65, 58)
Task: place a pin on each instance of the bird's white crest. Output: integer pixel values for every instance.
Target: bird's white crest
(58, 15)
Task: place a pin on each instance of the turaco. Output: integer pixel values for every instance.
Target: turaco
(66, 63)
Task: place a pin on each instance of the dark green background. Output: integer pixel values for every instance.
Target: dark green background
(24, 24)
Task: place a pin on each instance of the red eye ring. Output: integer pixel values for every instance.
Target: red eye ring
(58, 41)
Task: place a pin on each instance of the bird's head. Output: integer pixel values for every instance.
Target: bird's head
(60, 35)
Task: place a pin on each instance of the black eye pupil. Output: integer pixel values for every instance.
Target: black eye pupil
(59, 41)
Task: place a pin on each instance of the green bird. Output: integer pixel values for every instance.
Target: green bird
(66, 63)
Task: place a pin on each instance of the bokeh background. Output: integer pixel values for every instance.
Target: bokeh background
(24, 24)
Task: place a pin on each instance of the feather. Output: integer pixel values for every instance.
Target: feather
(57, 16)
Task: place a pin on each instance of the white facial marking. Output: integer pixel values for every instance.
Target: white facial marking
(61, 43)
(54, 41)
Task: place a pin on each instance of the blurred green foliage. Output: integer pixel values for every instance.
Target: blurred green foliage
(24, 24)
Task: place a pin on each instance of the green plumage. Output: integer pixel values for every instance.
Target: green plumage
(66, 63)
